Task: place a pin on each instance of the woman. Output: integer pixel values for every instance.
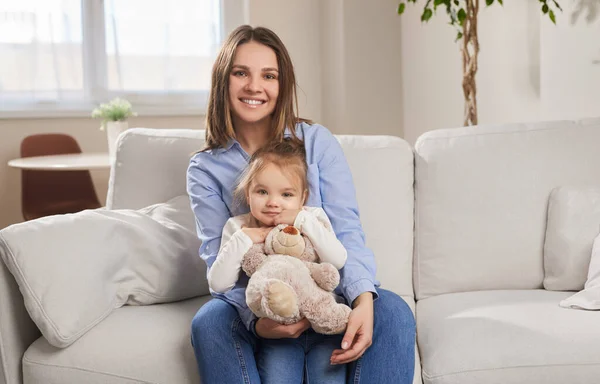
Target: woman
(253, 103)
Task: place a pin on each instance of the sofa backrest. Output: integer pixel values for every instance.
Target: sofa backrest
(151, 164)
(481, 199)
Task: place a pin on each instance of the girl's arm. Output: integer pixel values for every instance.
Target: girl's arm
(315, 224)
(225, 270)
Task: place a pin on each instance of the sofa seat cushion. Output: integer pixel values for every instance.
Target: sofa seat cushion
(135, 344)
(519, 336)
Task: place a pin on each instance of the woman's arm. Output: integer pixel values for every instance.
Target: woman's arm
(211, 214)
(315, 224)
(338, 197)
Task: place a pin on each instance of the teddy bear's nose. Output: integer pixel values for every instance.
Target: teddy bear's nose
(290, 230)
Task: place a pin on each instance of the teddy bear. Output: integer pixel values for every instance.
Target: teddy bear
(287, 282)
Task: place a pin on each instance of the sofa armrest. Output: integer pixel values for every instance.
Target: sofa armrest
(17, 330)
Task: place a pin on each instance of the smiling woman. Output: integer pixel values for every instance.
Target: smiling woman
(253, 86)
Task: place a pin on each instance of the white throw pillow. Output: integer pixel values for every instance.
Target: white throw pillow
(74, 270)
(589, 298)
(573, 223)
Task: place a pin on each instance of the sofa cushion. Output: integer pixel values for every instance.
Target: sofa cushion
(74, 270)
(148, 344)
(508, 337)
(481, 201)
(589, 297)
(573, 223)
(386, 203)
(150, 166)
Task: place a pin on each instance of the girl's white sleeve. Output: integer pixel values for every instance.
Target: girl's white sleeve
(315, 224)
(224, 272)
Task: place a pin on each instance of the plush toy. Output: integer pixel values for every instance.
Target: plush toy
(287, 283)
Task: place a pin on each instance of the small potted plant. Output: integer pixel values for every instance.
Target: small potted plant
(114, 116)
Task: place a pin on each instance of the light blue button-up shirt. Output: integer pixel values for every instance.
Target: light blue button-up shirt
(212, 177)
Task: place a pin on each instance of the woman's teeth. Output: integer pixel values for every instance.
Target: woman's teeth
(252, 102)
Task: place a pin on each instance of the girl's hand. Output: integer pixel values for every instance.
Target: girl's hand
(257, 235)
(359, 333)
(270, 329)
(287, 216)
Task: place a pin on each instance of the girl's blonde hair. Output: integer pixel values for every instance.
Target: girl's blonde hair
(288, 155)
(219, 126)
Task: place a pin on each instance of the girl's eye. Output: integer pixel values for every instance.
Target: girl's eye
(288, 194)
(262, 192)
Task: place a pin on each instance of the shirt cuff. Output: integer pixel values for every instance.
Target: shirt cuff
(352, 291)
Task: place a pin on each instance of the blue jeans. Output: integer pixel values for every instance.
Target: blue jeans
(226, 352)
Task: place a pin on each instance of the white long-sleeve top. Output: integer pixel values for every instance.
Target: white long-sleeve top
(311, 221)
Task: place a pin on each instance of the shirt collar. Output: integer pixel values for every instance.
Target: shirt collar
(231, 142)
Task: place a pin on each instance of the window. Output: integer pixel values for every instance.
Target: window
(62, 57)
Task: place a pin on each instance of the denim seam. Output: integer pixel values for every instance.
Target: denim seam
(234, 327)
(357, 371)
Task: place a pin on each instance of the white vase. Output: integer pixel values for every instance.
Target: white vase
(113, 130)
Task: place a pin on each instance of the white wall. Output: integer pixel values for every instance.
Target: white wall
(570, 63)
(529, 69)
(432, 69)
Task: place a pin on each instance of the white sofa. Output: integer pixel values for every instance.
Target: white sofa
(457, 225)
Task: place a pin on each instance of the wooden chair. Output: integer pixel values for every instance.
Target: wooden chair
(46, 193)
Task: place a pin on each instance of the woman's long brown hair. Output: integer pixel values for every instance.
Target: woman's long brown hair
(219, 126)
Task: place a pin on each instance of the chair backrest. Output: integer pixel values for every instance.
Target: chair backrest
(47, 193)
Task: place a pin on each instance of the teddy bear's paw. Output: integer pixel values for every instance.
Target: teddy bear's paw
(334, 322)
(327, 277)
(282, 299)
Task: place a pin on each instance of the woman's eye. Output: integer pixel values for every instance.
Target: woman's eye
(239, 73)
(269, 76)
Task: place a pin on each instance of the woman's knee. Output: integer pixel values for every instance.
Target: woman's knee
(393, 313)
(213, 318)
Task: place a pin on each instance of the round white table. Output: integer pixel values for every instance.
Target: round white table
(70, 162)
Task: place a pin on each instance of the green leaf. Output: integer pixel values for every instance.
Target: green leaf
(459, 36)
(552, 17)
(427, 13)
(401, 7)
(545, 8)
(501, 2)
(489, 2)
(462, 15)
(557, 5)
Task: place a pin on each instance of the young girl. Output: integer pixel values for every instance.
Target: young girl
(252, 104)
(274, 181)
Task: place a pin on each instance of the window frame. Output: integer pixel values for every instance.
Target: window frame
(233, 13)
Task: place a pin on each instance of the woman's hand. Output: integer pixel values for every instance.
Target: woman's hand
(287, 216)
(257, 235)
(359, 333)
(270, 329)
